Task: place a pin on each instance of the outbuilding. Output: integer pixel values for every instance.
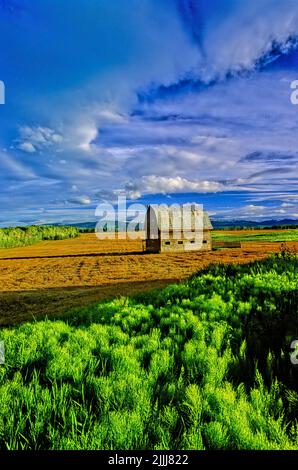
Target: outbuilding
(177, 229)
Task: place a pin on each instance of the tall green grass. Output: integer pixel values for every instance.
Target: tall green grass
(277, 236)
(200, 365)
(23, 236)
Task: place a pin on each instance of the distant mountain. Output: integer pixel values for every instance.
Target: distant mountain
(90, 225)
(218, 224)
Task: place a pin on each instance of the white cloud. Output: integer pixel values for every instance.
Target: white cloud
(159, 184)
(84, 135)
(78, 135)
(129, 194)
(280, 211)
(27, 147)
(110, 116)
(12, 169)
(81, 200)
(32, 139)
(239, 34)
(254, 210)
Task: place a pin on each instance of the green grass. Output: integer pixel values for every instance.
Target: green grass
(23, 236)
(285, 236)
(200, 365)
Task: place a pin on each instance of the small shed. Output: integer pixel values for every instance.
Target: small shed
(177, 229)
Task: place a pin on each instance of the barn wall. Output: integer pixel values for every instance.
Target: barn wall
(172, 245)
(207, 238)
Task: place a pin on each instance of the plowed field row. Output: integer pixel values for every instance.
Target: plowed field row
(50, 277)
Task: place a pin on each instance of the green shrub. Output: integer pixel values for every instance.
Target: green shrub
(23, 236)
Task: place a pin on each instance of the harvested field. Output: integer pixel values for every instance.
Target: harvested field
(51, 277)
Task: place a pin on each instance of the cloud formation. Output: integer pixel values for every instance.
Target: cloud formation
(32, 139)
(171, 97)
(159, 184)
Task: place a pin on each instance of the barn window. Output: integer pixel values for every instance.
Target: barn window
(180, 243)
(205, 241)
(168, 243)
(192, 241)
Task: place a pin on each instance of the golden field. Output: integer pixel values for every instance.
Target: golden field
(50, 277)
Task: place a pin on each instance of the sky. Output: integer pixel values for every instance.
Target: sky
(159, 100)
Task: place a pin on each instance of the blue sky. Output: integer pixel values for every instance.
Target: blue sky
(176, 100)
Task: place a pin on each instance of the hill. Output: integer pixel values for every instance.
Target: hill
(247, 224)
(222, 224)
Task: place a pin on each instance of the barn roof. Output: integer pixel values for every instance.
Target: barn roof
(170, 218)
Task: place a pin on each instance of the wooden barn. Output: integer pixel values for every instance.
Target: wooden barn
(177, 229)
